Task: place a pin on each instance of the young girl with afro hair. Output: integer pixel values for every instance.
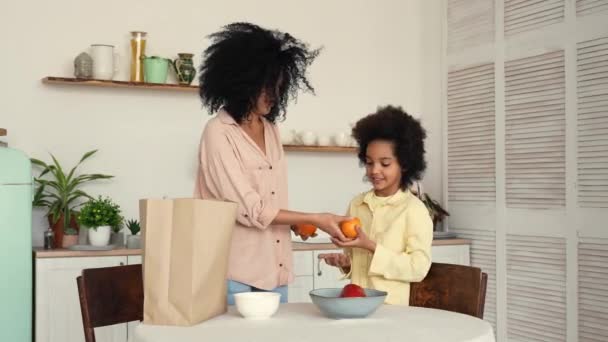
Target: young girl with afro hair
(393, 243)
(248, 76)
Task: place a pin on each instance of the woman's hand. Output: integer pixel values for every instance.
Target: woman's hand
(361, 241)
(330, 224)
(304, 237)
(336, 259)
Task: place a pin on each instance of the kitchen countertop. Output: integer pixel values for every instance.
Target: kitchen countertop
(40, 252)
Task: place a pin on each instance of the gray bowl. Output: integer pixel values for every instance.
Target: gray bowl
(332, 306)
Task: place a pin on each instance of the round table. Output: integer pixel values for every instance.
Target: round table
(304, 322)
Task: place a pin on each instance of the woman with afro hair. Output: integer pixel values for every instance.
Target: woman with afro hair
(393, 245)
(248, 76)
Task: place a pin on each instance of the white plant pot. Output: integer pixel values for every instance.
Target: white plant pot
(99, 236)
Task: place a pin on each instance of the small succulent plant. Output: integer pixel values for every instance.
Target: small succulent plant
(133, 226)
(70, 231)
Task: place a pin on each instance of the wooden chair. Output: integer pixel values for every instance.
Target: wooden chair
(450, 287)
(110, 295)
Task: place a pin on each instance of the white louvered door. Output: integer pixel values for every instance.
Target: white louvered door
(592, 125)
(591, 7)
(543, 228)
(470, 23)
(471, 138)
(483, 255)
(592, 186)
(593, 289)
(536, 288)
(527, 15)
(471, 158)
(535, 131)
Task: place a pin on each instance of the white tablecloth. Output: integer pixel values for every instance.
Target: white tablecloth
(304, 322)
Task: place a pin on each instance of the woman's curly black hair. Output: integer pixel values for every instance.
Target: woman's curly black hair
(406, 133)
(244, 60)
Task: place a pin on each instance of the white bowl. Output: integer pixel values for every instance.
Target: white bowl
(257, 305)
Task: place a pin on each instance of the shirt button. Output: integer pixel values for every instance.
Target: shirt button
(270, 167)
(272, 192)
(281, 265)
(278, 241)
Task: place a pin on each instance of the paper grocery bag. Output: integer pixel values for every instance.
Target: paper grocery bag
(185, 259)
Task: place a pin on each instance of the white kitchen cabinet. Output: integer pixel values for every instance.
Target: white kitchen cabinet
(326, 276)
(303, 282)
(302, 263)
(133, 259)
(299, 289)
(451, 254)
(57, 307)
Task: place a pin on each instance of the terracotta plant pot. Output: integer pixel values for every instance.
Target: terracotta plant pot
(58, 228)
(69, 240)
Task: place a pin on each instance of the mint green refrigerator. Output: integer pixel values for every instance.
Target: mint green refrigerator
(16, 246)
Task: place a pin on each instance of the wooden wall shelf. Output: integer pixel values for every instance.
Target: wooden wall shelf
(118, 84)
(2, 132)
(189, 88)
(304, 148)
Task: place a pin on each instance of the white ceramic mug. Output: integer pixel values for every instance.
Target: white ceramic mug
(324, 140)
(308, 138)
(105, 61)
(341, 139)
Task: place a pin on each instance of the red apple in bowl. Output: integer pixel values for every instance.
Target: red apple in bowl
(352, 290)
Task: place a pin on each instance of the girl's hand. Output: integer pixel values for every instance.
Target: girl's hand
(361, 241)
(336, 259)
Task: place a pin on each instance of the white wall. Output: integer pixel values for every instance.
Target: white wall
(373, 53)
(431, 96)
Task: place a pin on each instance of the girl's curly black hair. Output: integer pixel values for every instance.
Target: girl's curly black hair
(406, 133)
(244, 60)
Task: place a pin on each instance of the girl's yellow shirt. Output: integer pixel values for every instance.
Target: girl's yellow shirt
(403, 231)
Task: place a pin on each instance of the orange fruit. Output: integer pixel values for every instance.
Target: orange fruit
(306, 230)
(348, 227)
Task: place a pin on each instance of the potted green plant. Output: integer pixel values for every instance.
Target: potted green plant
(117, 236)
(134, 240)
(435, 210)
(70, 237)
(100, 216)
(61, 193)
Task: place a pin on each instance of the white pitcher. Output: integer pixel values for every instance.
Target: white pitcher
(105, 61)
